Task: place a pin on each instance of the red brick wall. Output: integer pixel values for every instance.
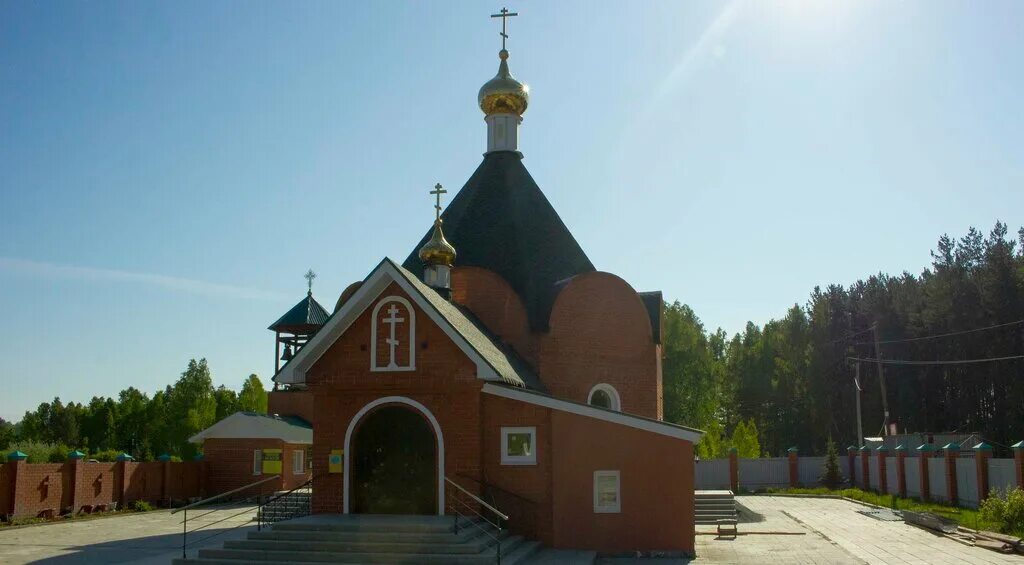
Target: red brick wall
(522, 491)
(291, 403)
(62, 487)
(6, 487)
(600, 333)
(144, 481)
(656, 477)
(496, 304)
(96, 484)
(444, 381)
(231, 465)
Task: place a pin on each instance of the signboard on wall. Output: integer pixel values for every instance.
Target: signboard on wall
(334, 461)
(272, 461)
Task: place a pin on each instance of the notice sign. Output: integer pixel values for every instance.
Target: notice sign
(334, 461)
(272, 461)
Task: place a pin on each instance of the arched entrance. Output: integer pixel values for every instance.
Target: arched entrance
(394, 460)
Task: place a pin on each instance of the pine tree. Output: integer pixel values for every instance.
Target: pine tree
(832, 477)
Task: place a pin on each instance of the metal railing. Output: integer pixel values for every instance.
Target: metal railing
(460, 508)
(184, 509)
(287, 500)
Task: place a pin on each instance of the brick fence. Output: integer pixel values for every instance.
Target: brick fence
(51, 489)
(947, 473)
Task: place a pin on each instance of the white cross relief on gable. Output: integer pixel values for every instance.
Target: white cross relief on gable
(394, 316)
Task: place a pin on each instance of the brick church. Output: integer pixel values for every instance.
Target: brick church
(495, 358)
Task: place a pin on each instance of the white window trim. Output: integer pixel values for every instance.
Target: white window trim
(411, 337)
(612, 393)
(257, 462)
(617, 508)
(530, 459)
(299, 462)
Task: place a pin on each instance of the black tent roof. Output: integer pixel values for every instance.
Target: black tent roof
(501, 221)
(308, 312)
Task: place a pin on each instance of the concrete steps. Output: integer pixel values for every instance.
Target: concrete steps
(427, 540)
(713, 505)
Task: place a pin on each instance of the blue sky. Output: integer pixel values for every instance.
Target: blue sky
(168, 171)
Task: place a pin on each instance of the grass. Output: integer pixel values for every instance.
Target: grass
(70, 517)
(966, 517)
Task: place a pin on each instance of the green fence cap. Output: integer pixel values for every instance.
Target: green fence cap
(865, 448)
(792, 450)
(926, 447)
(16, 456)
(1018, 445)
(982, 447)
(851, 448)
(125, 457)
(76, 454)
(882, 448)
(951, 446)
(164, 457)
(732, 450)
(901, 447)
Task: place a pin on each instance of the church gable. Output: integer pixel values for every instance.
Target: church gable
(391, 308)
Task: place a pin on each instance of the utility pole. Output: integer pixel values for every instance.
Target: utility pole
(856, 391)
(881, 381)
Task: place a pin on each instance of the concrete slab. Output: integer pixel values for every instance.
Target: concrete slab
(151, 537)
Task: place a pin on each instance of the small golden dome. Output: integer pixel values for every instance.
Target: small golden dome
(503, 94)
(437, 251)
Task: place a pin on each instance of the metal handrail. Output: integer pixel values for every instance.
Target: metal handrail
(496, 536)
(477, 499)
(259, 510)
(222, 495)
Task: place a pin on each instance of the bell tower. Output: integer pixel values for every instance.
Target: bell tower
(298, 325)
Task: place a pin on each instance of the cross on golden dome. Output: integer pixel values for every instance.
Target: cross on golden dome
(504, 15)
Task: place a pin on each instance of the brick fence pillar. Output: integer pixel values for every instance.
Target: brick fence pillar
(883, 477)
(734, 470)
(165, 477)
(951, 451)
(901, 470)
(122, 480)
(76, 465)
(982, 453)
(1018, 458)
(865, 470)
(794, 467)
(15, 463)
(851, 459)
(925, 451)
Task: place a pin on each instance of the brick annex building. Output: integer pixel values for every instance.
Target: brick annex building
(495, 357)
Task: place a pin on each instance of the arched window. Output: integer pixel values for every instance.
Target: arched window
(605, 396)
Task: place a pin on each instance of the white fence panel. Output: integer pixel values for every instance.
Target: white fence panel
(769, 472)
(711, 474)
(1002, 474)
(967, 482)
(937, 478)
(873, 473)
(913, 475)
(810, 469)
(856, 470)
(891, 484)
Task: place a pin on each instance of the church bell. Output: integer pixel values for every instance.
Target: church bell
(287, 355)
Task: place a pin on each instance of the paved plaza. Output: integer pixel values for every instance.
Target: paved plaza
(794, 530)
(150, 537)
(833, 532)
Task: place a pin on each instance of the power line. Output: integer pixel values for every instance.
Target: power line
(846, 337)
(941, 335)
(950, 362)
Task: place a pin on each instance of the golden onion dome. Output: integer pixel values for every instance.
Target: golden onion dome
(437, 251)
(503, 94)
